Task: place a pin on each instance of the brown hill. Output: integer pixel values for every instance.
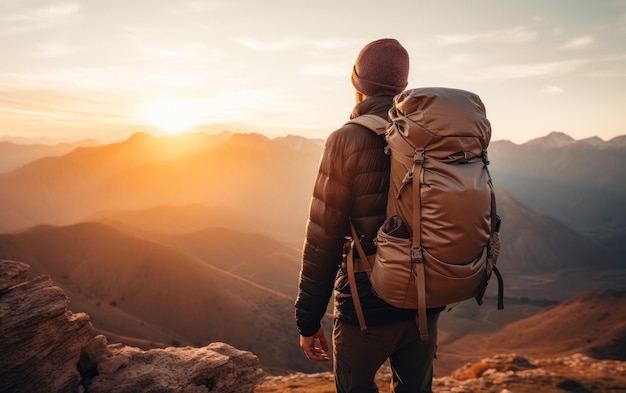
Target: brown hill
(170, 219)
(252, 256)
(175, 219)
(191, 302)
(593, 324)
(255, 257)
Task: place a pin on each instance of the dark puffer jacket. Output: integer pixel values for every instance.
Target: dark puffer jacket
(352, 184)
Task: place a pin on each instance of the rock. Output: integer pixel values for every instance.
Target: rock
(45, 347)
(12, 273)
(513, 372)
(505, 373)
(41, 339)
(217, 367)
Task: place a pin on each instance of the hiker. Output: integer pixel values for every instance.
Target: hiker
(352, 186)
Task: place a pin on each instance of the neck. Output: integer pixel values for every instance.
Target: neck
(360, 97)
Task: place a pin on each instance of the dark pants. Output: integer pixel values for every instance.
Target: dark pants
(358, 356)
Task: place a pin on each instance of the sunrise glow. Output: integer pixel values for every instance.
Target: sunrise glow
(172, 116)
(72, 70)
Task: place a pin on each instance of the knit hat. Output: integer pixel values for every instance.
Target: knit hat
(381, 67)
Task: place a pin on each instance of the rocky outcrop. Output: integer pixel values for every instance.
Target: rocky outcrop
(217, 367)
(41, 339)
(44, 347)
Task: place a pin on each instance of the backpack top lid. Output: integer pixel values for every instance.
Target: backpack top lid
(438, 112)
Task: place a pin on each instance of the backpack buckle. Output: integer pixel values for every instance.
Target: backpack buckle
(485, 158)
(416, 255)
(418, 157)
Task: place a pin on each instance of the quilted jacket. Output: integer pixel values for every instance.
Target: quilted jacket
(351, 185)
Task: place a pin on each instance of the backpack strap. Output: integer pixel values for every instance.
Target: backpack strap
(378, 125)
(417, 257)
(371, 122)
(495, 228)
(352, 278)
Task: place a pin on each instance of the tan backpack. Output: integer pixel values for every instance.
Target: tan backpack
(440, 242)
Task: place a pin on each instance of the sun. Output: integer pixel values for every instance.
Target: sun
(172, 116)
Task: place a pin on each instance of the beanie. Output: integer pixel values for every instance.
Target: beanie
(381, 67)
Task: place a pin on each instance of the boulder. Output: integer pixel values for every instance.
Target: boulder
(41, 340)
(217, 367)
(47, 348)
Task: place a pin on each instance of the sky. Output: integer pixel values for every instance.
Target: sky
(104, 69)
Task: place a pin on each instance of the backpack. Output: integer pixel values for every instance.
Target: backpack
(439, 243)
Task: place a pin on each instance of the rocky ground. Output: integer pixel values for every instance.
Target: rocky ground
(509, 373)
(46, 347)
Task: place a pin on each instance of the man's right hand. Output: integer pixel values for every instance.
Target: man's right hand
(315, 347)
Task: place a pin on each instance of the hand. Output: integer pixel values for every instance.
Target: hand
(318, 353)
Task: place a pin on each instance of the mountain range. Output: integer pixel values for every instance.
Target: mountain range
(14, 155)
(193, 238)
(579, 183)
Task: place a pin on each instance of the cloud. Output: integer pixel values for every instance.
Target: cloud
(56, 49)
(579, 43)
(515, 35)
(266, 46)
(284, 44)
(520, 71)
(164, 52)
(24, 20)
(552, 89)
(324, 70)
(205, 6)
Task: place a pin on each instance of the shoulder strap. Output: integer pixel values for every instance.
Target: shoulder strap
(371, 122)
(352, 279)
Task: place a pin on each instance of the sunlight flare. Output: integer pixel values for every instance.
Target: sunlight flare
(172, 116)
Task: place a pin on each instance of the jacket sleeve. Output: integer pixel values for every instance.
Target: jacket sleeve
(325, 234)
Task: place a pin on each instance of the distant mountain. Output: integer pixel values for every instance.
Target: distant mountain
(579, 183)
(301, 143)
(259, 178)
(14, 155)
(552, 140)
(131, 286)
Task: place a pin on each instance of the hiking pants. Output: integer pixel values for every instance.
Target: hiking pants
(358, 356)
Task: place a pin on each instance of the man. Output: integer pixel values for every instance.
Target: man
(352, 186)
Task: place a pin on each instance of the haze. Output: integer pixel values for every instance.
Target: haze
(104, 70)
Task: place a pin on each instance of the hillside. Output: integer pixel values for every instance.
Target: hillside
(592, 323)
(128, 283)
